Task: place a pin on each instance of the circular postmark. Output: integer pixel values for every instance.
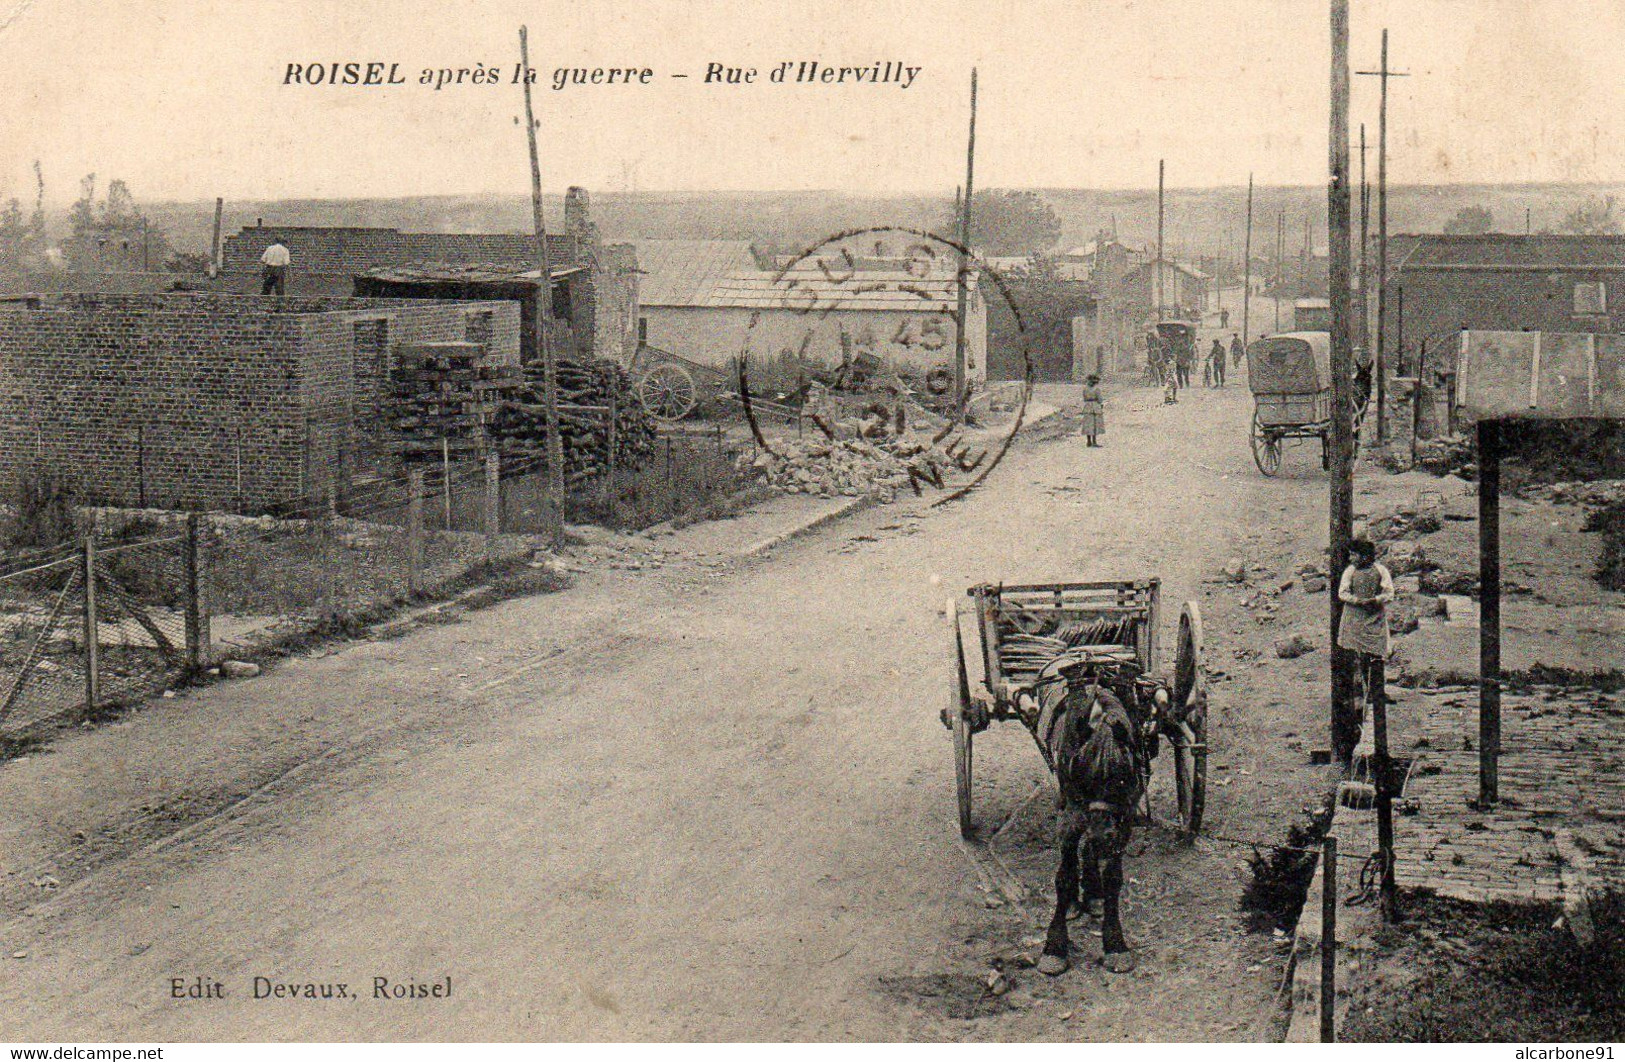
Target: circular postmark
(870, 321)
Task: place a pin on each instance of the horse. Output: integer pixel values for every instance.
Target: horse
(1092, 740)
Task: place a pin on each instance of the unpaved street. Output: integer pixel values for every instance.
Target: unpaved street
(724, 808)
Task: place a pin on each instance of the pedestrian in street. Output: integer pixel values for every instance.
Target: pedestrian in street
(1365, 590)
(1237, 351)
(275, 277)
(1215, 358)
(1224, 317)
(1094, 411)
(1182, 362)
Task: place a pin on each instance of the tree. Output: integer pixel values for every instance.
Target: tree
(118, 210)
(84, 208)
(1470, 221)
(1594, 217)
(1005, 222)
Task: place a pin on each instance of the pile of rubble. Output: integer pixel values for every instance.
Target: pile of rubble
(1450, 455)
(1593, 494)
(851, 467)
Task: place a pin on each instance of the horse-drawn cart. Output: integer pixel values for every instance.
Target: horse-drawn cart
(1035, 640)
(1290, 377)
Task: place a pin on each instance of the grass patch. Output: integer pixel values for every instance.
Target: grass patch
(1497, 972)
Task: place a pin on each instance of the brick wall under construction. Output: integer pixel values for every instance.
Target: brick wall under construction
(212, 401)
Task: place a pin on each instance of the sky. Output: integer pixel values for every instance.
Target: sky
(184, 99)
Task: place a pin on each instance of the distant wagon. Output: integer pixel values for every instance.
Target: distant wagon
(1290, 377)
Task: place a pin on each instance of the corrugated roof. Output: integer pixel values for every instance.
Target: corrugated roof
(1505, 251)
(684, 272)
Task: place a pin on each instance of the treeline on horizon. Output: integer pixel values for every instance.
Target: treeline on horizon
(1198, 222)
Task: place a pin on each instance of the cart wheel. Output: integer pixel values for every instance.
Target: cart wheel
(1266, 449)
(959, 720)
(1190, 770)
(1190, 736)
(667, 392)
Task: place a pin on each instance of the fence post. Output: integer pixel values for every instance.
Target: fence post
(198, 637)
(1328, 939)
(93, 683)
(671, 492)
(445, 480)
(493, 502)
(610, 442)
(414, 529)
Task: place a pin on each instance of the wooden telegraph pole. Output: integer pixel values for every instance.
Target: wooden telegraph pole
(963, 285)
(1345, 718)
(1363, 328)
(1156, 269)
(1247, 269)
(544, 319)
(1382, 238)
(1280, 264)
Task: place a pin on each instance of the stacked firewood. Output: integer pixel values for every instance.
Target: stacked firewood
(588, 392)
(446, 397)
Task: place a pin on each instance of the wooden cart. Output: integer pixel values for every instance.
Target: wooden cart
(670, 386)
(1112, 624)
(1290, 377)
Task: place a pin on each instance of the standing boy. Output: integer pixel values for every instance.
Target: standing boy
(1365, 590)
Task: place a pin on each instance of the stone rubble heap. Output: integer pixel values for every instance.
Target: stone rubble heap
(850, 467)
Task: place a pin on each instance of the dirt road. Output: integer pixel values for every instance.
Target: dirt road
(721, 806)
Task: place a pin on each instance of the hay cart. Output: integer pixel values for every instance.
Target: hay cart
(670, 386)
(1104, 626)
(1290, 377)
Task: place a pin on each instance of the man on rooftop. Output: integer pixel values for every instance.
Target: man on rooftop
(275, 279)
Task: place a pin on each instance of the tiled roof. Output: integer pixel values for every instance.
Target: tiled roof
(683, 272)
(810, 290)
(432, 273)
(1498, 250)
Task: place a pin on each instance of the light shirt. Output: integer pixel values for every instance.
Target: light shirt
(275, 255)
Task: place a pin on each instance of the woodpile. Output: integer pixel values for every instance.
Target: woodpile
(446, 397)
(588, 392)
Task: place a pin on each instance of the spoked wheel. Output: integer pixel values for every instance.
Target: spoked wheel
(1189, 738)
(1266, 449)
(668, 392)
(959, 721)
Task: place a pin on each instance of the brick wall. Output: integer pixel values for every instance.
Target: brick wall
(347, 251)
(211, 401)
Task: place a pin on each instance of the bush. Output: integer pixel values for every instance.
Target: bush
(1611, 565)
(42, 513)
(1275, 894)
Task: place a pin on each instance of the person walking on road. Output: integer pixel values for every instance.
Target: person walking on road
(275, 278)
(1224, 317)
(1237, 351)
(1094, 411)
(1215, 364)
(1365, 590)
(1182, 362)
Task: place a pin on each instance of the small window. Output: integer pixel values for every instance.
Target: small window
(1591, 297)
